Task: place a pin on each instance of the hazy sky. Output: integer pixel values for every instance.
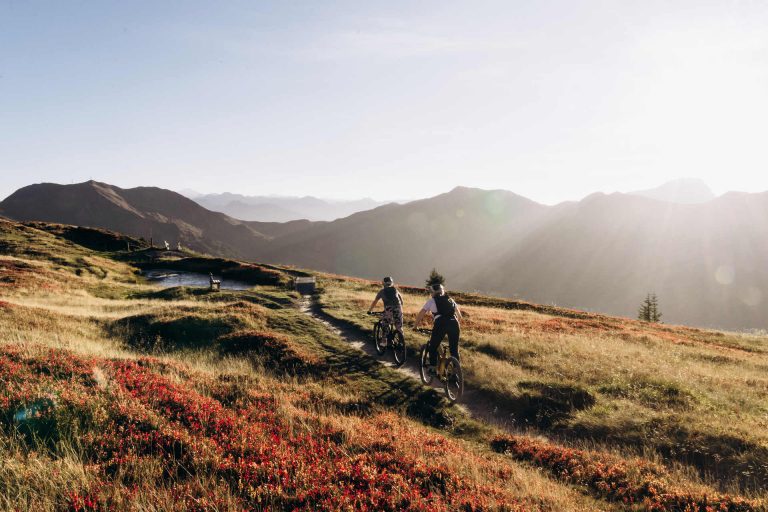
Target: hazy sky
(552, 100)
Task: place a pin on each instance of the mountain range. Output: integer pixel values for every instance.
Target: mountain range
(681, 191)
(281, 208)
(705, 260)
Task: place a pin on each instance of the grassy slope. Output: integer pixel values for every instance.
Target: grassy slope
(680, 395)
(116, 392)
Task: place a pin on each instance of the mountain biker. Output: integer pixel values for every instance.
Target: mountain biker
(393, 303)
(446, 315)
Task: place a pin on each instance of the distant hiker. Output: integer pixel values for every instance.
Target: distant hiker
(215, 283)
(167, 245)
(393, 303)
(178, 246)
(446, 315)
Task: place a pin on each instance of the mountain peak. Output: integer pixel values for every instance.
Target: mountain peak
(682, 191)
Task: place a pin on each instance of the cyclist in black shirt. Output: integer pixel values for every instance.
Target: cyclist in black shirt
(446, 314)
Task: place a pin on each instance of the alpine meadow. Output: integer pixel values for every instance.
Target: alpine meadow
(383, 256)
(121, 394)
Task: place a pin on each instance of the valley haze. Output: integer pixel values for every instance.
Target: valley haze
(704, 256)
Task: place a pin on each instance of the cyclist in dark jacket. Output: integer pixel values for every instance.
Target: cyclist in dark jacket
(446, 315)
(393, 303)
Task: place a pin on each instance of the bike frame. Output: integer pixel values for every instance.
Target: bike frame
(444, 359)
(383, 319)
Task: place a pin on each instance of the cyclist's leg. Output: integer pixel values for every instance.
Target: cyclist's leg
(454, 331)
(397, 315)
(438, 333)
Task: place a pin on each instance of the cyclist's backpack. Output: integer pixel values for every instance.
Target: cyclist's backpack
(446, 307)
(390, 297)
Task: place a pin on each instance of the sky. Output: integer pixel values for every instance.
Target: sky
(553, 100)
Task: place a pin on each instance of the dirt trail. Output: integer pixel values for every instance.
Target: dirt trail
(472, 401)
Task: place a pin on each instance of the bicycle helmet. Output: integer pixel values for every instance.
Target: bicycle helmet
(387, 281)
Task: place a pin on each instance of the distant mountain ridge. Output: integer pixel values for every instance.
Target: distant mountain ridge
(706, 261)
(681, 191)
(282, 209)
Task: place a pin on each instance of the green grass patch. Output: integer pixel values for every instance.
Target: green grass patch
(653, 393)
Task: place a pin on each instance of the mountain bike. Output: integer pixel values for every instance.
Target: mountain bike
(448, 369)
(386, 335)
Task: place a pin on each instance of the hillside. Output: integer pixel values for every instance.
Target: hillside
(121, 392)
(705, 261)
(145, 212)
(450, 230)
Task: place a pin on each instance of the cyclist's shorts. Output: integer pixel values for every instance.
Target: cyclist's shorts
(395, 316)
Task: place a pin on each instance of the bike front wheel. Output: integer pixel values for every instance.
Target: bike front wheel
(399, 348)
(426, 377)
(379, 338)
(454, 380)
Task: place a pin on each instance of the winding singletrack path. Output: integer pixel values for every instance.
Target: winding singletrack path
(472, 401)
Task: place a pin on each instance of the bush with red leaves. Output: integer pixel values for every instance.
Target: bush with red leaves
(630, 482)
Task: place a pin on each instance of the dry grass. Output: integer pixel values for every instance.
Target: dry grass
(52, 306)
(681, 395)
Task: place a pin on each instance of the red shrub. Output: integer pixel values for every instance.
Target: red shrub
(611, 478)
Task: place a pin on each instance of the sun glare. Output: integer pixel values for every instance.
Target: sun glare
(705, 106)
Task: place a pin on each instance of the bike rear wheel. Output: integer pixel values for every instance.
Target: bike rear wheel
(399, 348)
(454, 380)
(379, 338)
(426, 377)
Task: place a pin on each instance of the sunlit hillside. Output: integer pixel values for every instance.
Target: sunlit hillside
(119, 394)
(706, 261)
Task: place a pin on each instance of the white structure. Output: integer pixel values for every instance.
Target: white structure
(305, 285)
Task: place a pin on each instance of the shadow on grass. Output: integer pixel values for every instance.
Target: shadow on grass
(725, 459)
(550, 408)
(148, 333)
(378, 383)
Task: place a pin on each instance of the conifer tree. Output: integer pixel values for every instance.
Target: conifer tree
(434, 278)
(649, 309)
(655, 314)
(644, 313)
